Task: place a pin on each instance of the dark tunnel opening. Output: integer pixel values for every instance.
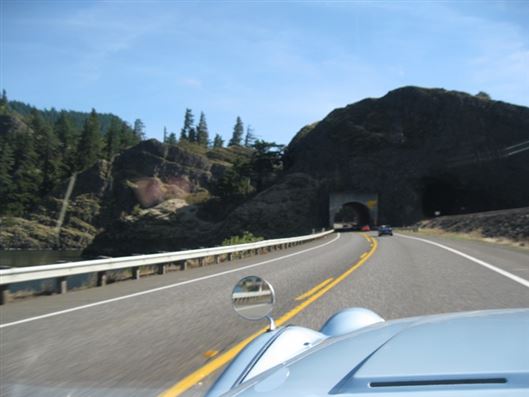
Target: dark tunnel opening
(354, 214)
(449, 195)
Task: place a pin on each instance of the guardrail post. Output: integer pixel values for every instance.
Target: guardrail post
(136, 273)
(162, 268)
(183, 264)
(4, 294)
(216, 259)
(201, 262)
(230, 256)
(101, 279)
(62, 285)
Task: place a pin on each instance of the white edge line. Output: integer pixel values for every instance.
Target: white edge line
(149, 291)
(513, 277)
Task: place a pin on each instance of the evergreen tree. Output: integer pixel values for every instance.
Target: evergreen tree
(89, 147)
(202, 137)
(192, 135)
(27, 177)
(65, 131)
(249, 138)
(171, 140)
(7, 186)
(127, 138)
(164, 134)
(218, 141)
(4, 104)
(238, 131)
(189, 121)
(112, 139)
(139, 129)
(266, 163)
(47, 150)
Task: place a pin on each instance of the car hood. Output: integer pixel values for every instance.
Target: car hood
(443, 355)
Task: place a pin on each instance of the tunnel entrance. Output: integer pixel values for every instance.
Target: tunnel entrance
(353, 208)
(449, 195)
(353, 214)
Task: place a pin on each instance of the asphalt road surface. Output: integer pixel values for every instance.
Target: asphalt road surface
(139, 338)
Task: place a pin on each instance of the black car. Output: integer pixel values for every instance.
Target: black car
(385, 229)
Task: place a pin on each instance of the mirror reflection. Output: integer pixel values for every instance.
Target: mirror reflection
(253, 298)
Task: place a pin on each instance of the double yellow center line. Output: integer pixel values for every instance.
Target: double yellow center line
(314, 290)
(311, 296)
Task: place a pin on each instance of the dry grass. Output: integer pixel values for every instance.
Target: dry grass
(473, 236)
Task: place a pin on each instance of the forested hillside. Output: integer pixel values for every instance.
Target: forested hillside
(41, 148)
(65, 176)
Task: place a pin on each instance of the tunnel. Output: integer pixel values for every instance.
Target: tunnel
(448, 194)
(353, 213)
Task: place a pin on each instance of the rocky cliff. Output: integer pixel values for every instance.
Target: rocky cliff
(150, 182)
(420, 151)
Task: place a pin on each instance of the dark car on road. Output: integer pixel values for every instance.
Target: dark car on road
(385, 230)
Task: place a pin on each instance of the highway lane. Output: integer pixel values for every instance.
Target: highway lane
(149, 341)
(143, 345)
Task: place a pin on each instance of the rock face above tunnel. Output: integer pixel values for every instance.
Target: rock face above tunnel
(421, 150)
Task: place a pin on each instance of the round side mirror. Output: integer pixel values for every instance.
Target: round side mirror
(253, 298)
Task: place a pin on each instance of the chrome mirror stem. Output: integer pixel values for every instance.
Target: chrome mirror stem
(272, 325)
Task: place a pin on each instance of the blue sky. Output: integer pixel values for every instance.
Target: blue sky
(277, 64)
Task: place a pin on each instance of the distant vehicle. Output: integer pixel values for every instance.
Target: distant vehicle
(357, 353)
(385, 230)
(365, 228)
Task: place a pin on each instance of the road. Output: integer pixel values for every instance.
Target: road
(139, 338)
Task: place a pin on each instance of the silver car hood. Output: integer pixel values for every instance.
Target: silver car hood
(485, 352)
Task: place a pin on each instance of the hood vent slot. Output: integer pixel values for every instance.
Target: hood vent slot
(438, 382)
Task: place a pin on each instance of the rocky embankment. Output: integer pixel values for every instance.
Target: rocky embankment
(511, 225)
(419, 150)
(151, 190)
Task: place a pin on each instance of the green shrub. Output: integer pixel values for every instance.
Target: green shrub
(244, 238)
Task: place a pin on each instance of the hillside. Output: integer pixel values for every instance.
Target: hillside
(150, 182)
(418, 151)
(421, 151)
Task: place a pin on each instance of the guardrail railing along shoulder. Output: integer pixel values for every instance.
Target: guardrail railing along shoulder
(62, 271)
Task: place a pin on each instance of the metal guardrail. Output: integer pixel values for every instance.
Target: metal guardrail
(101, 266)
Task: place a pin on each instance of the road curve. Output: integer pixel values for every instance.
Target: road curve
(140, 338)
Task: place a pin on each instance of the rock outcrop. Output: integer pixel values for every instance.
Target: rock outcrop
(510, 224)
(142, 190)
(421, 151)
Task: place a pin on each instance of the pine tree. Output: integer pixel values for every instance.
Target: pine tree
(7, 186)
(112, 141)
(47, 150)
(249, 138)
(171, 140)
(127, 138)
(68, 138)
(218, 141)
(27, 177)
(164, 134)
(202, 137)
(139, 129)
(189, 121)
(3, 103)
(238, 131)
(192, 135)
(89, 147)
